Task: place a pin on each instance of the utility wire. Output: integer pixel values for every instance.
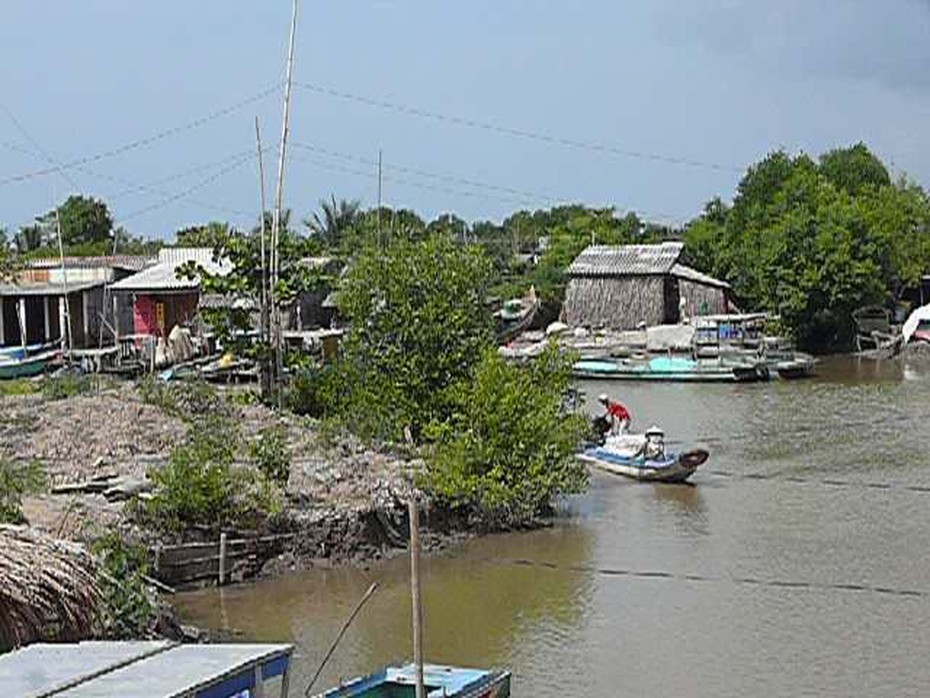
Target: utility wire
(424, 173)
(190, 190)
(515, 132)
(148, 140)
(168, 197)
(529, 199)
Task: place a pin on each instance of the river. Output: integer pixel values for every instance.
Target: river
(795, 565)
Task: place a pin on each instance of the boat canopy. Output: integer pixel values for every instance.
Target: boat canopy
(152, 669)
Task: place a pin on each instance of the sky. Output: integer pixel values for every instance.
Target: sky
(478, 108)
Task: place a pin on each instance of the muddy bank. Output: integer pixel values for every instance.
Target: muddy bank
(345, 503)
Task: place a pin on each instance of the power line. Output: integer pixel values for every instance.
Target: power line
(515, 132)
(150, 188)
(520, 198)
(148, 140)
(424, 173)
(187, 192)
(410, 183)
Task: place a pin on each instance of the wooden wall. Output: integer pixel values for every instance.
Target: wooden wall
(617, 303)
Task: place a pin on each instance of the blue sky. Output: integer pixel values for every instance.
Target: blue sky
(646, 105)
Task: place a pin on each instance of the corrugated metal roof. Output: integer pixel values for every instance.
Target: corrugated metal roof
(626, 260)
(46, 289)
(155, 669)
(122, 261)
(163, 276)
(689, 274)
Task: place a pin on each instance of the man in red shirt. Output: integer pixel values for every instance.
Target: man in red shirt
(616, 414)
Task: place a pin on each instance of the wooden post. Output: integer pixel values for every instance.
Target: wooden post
(45, 316)
(21, 317)
(259, 690)
(415, 593)
(222, 559)
(286, 681)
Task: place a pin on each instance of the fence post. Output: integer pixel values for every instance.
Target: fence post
(222, 579)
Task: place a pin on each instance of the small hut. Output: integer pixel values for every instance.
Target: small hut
(48, 589)
(626, 286)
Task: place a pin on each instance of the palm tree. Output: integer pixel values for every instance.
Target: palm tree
(336, 219)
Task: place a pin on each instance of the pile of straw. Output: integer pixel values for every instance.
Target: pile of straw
(48, 589)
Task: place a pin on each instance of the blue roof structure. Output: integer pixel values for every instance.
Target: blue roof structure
(157, 669)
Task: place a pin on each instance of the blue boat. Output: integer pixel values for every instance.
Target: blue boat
(643, 457)
(440, 682)
(672, 368)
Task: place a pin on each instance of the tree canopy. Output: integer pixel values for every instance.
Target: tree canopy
(812, 241)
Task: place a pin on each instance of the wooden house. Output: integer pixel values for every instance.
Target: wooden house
(628, 286)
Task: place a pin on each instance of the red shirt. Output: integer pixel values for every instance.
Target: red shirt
(615, 409)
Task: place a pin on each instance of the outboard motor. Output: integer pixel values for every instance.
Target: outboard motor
(655, 444)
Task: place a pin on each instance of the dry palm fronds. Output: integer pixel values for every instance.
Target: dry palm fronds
(48, 589)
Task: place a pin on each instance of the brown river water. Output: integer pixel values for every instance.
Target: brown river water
(796, 564)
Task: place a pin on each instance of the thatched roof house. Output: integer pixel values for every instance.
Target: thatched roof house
(48, 589)
(624, 286)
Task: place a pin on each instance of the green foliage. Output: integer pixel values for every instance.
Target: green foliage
(200, 486)
(18, 386)
(212, 235)
(418, 325)
(334, 222)
(188, 400)
(271, 456)
(17, 480)
(510, 447)
(311, 390)
(66, 385)
(812, 242)
(127, 610)
(854, 169)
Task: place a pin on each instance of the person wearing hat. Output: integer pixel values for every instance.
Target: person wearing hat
(616, 414)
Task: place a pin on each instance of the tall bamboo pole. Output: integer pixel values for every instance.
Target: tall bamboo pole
(415, 594)
(265, 330)
(276, 222)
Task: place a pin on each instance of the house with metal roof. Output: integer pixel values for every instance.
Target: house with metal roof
(161, 296)
(37, 305)
(627, 286)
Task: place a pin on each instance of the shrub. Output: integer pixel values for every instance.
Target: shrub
(201, 487)
(66, 385)
(19, 386)
(188, 399)
(271, 456)
(17, 480)
(127, 609)
(510, 448)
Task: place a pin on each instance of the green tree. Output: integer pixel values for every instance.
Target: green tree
(214, 235)
(84, 221)
(510, 447)
(814, 242)
(854, 169)
(334, 221)
(418, 325)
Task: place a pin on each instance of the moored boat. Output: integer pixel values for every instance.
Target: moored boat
(439, 681)
(673, 368)
(643, 457)
(24, 366)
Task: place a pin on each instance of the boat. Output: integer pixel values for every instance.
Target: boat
(516, 316)
(440, 682)
(24, 366)
(672, 368)
(643, 457)
(917, 326)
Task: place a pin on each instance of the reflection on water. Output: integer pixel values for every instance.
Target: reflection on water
(480, 607)
(816, 486)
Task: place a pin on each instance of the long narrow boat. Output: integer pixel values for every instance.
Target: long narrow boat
(677, 369)
(623, 455)
(440, 682)
(27, 366)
